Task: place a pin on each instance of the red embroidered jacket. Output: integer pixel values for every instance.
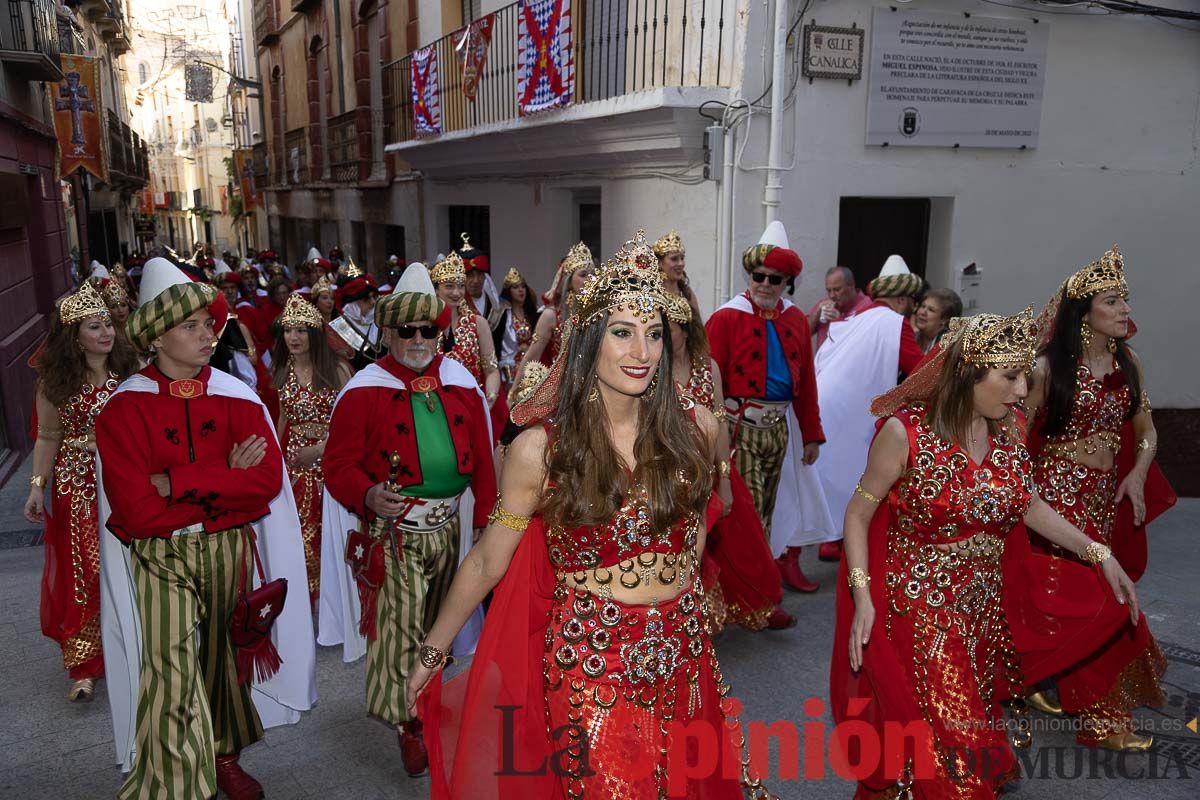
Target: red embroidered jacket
(737, 334)
(371, 422)
(187, 433)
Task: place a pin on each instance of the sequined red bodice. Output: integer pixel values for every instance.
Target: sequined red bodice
(307, 413)
(1100, 405)
(466, 342)
(700, 386)
(628, 535)
(944, 497)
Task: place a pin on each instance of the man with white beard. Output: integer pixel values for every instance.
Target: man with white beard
(409, 434)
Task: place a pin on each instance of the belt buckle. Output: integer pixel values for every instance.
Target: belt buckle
(770, 417)
(438, 514)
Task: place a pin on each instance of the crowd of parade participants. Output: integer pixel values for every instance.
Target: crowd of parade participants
(237, 460)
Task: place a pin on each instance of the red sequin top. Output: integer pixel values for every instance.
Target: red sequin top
(628, 535)
(944, 497)
(1100, 405)
(700, 387)
(466, 342)
(75, 464)
(306, 412)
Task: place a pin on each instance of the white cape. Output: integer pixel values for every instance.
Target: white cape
(290, 691)
(858, 362)
(801, 515)
(339, 611)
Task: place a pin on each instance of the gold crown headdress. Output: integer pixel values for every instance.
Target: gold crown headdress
(350, 270)
(299, 312)
(629, 281)
(1099, 276)
(679, 310)
(671, 243)
(114, 294)
(578, 257)
(450, 268)
(323, 284)
(513, 278)
(84, 303)
(535, 372)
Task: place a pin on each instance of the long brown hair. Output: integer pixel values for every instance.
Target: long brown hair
(697, 342)
(325, 362)
(670, 449)
(953, 400)
(62, 367)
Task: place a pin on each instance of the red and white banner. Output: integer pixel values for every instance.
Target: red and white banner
(472, 52)
(545, 57)
(426, 100)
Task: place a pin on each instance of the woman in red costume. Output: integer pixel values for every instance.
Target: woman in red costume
(573, 272)
(324, 297)
(468, 340)
(1089, 407)
(747, 589)
(594, 652)
(947, 478)
(83, 362)
(522, 319)
(308, 376)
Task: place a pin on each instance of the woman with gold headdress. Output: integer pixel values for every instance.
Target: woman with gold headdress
(1089, 406)
(522, 319)
(594, 647)
(671, 262)
(947, 478)
(747, 590)
(573, 272)
(83, 361)
(324, 297)
(308, 376)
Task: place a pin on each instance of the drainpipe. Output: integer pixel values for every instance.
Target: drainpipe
(727, 178)
(774, 187)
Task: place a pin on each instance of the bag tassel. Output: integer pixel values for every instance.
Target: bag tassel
(368, 601)
(260, 661)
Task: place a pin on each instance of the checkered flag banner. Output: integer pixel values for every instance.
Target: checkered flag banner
(426, 99)
(545, 61)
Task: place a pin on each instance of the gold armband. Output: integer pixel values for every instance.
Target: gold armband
(858, 578)
(39, 481)
(53, 433)
(1096, 553)
(509, 520)
(1146, 444)
(490, 363)
(1145, 404)
(870, 498)
(722, 469)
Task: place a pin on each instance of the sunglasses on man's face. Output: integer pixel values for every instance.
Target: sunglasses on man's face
(409, 331)
(759, 277)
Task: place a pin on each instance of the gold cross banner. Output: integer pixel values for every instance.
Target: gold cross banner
(79, 117)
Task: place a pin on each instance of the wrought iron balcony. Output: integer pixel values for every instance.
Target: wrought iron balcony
(29, 40)
(344, 160)
(127, 160)
(266, 21)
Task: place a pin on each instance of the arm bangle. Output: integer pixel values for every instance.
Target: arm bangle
(39, 481)
(1096, 553)
(870, 498)
(1146, 444)
(433, 658)
(508, 519)
(858, 578)
(722, 469)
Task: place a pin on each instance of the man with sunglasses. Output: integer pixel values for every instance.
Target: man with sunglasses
(763, 346)
(408, 436)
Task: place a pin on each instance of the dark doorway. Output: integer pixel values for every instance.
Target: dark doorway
(103, 245)
(475, 222)
(872, 228)
(589, 227)
(393, 242)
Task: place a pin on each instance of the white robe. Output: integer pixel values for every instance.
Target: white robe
(339, 610)
(290, 691)
(859, 361)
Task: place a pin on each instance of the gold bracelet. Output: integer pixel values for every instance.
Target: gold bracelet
(1146, 444)
(51, 433)
(433, 658)
(858, 578)
(870, 498)
(489, 363)
(39, 481)
(722, 469)
(508, 519)
(1145, 404)
(1096, 553)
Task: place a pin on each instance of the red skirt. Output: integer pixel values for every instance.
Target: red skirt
(747, 578)
(70, 608)
(308, 487)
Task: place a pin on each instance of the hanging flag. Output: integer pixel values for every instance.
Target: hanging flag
(427, 109)
(545, 62)
(78, 117)
(472, 51)
(243, 165)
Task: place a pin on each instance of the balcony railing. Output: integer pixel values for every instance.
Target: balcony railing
(295, 148)
(127, 157)
(260, 162)
(620, 47)
(343, 148)
(266, 21)
(29, 40)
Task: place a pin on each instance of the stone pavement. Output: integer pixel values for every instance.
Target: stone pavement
(52, 749)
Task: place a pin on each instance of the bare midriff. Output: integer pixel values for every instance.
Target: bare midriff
(639, 580)
(1097, 451)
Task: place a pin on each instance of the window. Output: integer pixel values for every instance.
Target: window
(143, 73)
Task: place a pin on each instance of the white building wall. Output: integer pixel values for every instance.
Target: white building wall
(1116, 162)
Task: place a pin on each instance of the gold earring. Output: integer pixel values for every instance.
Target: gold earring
(1085, 337)
(1112, 345)
(649, 393)
(593, 395)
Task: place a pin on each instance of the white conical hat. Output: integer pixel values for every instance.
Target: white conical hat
(159, 275)
(775, 235)
(97, 270)
(415, 279)
(221, 268)
(312, 254)
(895, 265)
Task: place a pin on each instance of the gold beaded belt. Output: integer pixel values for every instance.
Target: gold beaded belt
(760, 414)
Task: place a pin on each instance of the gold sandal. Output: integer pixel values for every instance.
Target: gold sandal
(83, 689)
(1040, 701)
(1127, 742)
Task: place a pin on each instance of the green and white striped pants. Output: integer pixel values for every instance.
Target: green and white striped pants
(190, 705)
(409, 600)
(758, 455)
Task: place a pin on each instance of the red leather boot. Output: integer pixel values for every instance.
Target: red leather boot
(793, 577)
(830, 551)
(780, 620)
(234, 781)
(412, 749)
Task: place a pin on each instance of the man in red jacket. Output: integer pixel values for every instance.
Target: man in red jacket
(763, 345)
(409, 434)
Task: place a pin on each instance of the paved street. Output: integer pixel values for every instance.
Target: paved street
(52, 749)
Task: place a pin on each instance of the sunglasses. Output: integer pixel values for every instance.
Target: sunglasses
(759, 277)
(409, 331)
